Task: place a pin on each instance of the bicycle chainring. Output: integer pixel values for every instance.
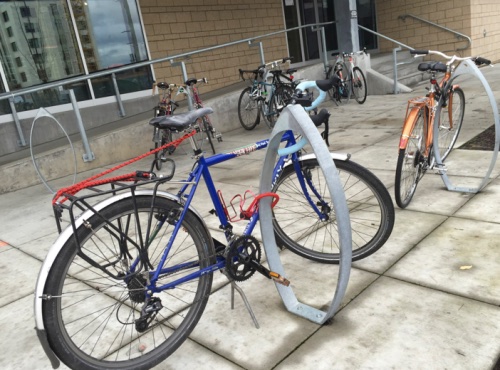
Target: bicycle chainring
(240, 256)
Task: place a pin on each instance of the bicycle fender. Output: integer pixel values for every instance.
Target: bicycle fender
(68, 232)
(408, 126)
(335, 156)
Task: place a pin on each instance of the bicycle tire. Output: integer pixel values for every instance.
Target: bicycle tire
(208, 129)
(298, 228)
(93, 327)
(449, 131)
(409, 168)
(344, 88)
(278, 101)
(166, 137)
(358, 85)
(248, 109)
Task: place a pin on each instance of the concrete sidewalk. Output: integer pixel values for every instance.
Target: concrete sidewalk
(428, 299)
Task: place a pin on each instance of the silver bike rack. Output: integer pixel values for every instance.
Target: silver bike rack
(296, 119)
(468, 68)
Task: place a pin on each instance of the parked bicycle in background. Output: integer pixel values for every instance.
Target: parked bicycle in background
(353, 81)
(444, 105)
(270, 88)
(166, 107)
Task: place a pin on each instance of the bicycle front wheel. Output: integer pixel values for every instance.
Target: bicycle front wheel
(411, 164)
(92, 317)
(451, 116)
(205, 134)
(248, 109)
(358, 85)
(299, 228)
(278, 101)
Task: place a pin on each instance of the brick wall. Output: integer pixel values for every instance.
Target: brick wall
(485, 30)
(453, 14)
(174, 27)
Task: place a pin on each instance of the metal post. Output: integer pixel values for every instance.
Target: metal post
(395, 59)
(261, 50)
(117, 94)
(323, 44)
(89, 155)
(185, 77)
(21, 141)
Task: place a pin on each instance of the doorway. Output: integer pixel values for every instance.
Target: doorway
(304, 45)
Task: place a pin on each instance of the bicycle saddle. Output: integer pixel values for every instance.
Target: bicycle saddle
(432, 66)
(179, 122)
(191, 81)
(162, 85)
(290, 71)
(326, 85)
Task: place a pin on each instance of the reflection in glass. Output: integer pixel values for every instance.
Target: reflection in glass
(111, 36)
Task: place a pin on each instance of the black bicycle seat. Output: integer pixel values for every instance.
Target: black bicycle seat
(191, 81)
(290, 71)
(162, 85)
(432, 66)
(179, 122)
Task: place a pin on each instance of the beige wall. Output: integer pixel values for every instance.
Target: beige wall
(179, 26)
(470, 17)
(454, 14)
(486, 17)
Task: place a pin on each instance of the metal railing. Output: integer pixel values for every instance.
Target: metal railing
(457, 34)
(394, 54)
(50, 85)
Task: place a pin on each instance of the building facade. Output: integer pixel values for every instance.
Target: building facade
(43, 41)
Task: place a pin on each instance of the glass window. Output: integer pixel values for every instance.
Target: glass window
(19, 62)
(9, 31)
(111, 36)
(13, 46)
(5, 16)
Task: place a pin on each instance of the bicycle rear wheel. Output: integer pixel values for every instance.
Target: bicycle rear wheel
(451, 116)
(248, 109)
(411, 164)
(204, 135)
(358, 85)
(91, 319)
(298, 227)
(166, 137)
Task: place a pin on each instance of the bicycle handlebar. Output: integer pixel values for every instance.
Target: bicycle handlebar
(477, 60)
(321, 85)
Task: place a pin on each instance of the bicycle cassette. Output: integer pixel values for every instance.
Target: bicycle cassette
(242, 257)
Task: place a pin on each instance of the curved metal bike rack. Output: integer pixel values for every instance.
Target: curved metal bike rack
(470, 68)
(42, 112)
(296, 119)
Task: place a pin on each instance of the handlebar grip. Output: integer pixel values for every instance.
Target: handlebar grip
(479, 61)
(287, 59)
(424, 52)
(292, 148)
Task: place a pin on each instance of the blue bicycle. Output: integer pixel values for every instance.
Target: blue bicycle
(127, 281)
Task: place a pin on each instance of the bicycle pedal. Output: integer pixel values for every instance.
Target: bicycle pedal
(279, 279)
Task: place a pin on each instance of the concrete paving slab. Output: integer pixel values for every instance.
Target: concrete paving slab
(460, 257)
(432, 196)
(396, 325)
(18, 276)
(231, 333)
(404, 237)
(484, 206)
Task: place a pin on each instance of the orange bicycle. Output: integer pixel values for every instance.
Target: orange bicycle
(444, 106)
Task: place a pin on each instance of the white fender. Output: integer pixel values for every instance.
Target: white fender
(68, 232)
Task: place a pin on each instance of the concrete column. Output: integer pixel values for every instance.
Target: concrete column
(346, 16)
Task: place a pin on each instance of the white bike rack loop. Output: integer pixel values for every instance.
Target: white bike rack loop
(469, 68)
(296, 119)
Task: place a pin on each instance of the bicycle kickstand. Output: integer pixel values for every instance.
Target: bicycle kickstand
(234, 287)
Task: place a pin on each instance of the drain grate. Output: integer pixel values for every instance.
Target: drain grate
(484, 141)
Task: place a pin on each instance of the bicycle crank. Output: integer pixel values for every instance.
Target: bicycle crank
(243, 260)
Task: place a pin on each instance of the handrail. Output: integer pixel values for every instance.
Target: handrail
(93, 75)
(458, 34)
(11, 95)
(385, 37)
(394, 54)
